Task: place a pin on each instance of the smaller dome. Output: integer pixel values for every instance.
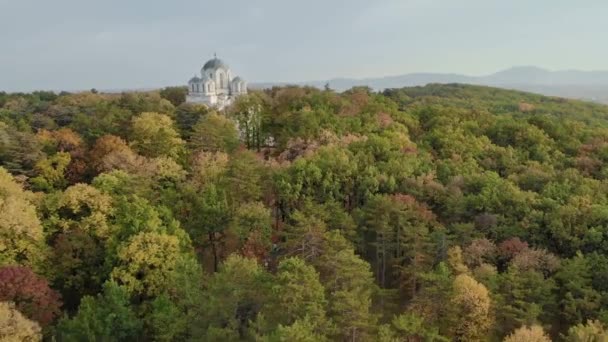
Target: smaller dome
(194, 79)
(215, 63)
(238, 79)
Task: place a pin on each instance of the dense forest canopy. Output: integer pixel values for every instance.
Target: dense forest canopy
(436, 213)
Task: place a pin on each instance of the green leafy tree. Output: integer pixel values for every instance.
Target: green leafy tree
(523, 298)
(245, 178)
(234, 297)
(187, 115)
(297, 294)
(214, 133)
(106, 317)
(578, 301)
(409, 328)
(397, 231)
(172, 315)
(248, 113)
(208, 220)
(175, 95)
(75, 259)
(252, 225)
(430, 303)
(349, 285)
(301, 330)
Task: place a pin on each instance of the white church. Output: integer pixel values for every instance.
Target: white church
(216, 87)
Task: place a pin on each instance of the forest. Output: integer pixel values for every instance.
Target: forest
(437, 213)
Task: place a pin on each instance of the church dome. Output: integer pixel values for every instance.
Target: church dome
(215, 63)
(194, 79)
(238, 79)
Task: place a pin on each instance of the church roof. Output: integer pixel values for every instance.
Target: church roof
(194, 79)
(238, 79)
(215, 63)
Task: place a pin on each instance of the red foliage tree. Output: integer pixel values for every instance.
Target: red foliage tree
(30, 292)
(509, 248)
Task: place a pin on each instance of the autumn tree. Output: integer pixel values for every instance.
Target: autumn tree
(532, 333)
(153, 135)
(31, 294)
(52, 172)
(473, 306)
(14, 327)
(146, 262)
(80, 206)
(21, 233)
(207, 168)
(593, 330)
(103, 147)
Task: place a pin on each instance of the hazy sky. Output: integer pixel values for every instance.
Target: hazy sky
(108, 44)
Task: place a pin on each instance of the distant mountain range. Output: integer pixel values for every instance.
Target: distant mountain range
(587, 85)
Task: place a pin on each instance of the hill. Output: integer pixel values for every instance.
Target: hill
(445, 212)
(588, 85)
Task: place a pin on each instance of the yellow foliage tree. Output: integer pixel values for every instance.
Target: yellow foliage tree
(21, 235)
(592, 331)
(146, 263)
(533, 333)
(456, 261)
(472, 303)
(14, 327)
(86, 208)
(153, 135)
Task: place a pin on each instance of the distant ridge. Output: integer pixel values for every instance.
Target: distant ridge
(587, 85)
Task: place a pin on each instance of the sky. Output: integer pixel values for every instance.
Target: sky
(128, 44)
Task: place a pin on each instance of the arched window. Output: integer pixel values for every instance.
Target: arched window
(222, 80)
(193, 87)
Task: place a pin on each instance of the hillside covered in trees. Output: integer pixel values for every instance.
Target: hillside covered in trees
(436, 213)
